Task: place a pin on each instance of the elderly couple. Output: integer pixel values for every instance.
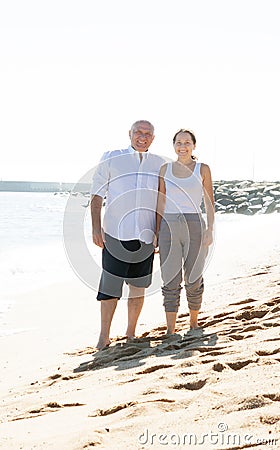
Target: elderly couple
(151, 203)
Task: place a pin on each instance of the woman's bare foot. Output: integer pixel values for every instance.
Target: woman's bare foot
(171, 336)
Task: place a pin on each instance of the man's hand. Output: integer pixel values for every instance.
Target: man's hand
(155, 244)
(98, 238)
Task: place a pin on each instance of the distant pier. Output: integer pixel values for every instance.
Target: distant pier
(41, 186)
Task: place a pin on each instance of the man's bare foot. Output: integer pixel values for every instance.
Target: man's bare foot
(102, 343)
(193, 326)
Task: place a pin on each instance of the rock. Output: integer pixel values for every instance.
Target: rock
(246, 196)
(270, 207)
(230, 209)
(242, 208)
(224, 201)
(239, 200)
(275, 194)
(219, 207)
(244, 183)
(268, 198)
(271, 187)
(255, 208)
(253, 190)
(255, 201)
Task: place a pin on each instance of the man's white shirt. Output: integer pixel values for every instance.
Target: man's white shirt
(130, 185)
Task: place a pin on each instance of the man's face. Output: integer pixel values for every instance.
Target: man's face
(141, 136)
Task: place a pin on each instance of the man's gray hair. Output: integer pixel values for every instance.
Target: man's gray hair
(138, 122)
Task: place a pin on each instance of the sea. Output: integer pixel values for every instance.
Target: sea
(33, 254)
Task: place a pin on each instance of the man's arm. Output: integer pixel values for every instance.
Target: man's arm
(160, 202)
(95, 206)
(99, 190)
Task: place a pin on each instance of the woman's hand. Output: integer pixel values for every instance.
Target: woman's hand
(207, 237)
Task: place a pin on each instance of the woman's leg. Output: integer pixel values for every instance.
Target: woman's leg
(194, 260)
(170, 251)
(193, 319)
(170, 322)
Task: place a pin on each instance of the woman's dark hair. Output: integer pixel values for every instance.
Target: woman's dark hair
(191, 133)
(183, 130)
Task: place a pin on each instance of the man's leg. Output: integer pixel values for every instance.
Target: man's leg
(134, 307)
(107, 312)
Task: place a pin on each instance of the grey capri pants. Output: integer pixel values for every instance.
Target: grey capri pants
(181, 249)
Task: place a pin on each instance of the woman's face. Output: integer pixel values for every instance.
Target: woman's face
(184, 145)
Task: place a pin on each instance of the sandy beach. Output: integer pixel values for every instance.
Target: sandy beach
(218, 387)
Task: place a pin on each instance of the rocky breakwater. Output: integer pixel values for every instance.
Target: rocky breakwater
(247, 197)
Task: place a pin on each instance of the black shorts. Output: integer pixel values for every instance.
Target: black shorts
(129, 261)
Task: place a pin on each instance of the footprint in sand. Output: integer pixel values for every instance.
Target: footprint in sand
(191, 386)
(207, 361)
(95, 440)
(243, 302)
(48, 408)
(154, 368)
(237, 365)
(271, 324)
(112, 410)
(54, 378)
(218, 367)
(268, 352)
(273, 397)
(253, 328)
(272, 340)
(236, 337)
(257, 401)
(92, 444)
(270, 420)
(252, 314)
(187, 374)
(120, 407)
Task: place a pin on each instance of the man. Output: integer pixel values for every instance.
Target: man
(129, 181)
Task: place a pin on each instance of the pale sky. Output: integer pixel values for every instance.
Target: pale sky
(74, 75)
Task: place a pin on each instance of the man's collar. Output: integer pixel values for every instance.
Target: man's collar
(132, 150)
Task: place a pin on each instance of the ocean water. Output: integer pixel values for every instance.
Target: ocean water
(32, 253)
(31, 246)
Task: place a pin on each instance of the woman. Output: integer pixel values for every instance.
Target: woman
(183, 237)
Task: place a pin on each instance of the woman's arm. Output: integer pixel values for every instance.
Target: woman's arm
(209, 202)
